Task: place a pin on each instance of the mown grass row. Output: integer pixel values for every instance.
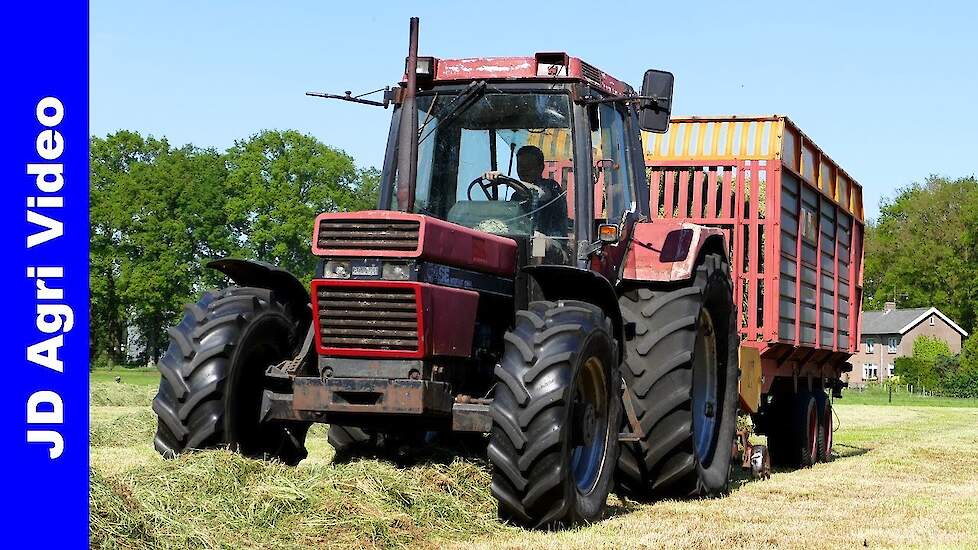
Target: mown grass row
(217, 499)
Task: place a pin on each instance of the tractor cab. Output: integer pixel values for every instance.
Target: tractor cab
(543, 150)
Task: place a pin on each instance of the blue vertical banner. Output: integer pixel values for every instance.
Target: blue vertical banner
(44, 169)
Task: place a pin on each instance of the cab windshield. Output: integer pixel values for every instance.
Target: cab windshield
(501, 164)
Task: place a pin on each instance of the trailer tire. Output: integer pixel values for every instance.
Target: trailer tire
(793, 438)
(679, 452)
(556, 413)
(825, 426)
(212, 377)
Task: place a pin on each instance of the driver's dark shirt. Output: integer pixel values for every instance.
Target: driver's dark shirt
(551, 219)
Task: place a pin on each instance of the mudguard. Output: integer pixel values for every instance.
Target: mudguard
(264, 275)
(561, 282)
(666, 251)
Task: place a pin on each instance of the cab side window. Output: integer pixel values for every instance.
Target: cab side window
(614, 186)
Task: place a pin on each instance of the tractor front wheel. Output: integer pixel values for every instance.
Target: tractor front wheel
(212, 377)
(556, 413)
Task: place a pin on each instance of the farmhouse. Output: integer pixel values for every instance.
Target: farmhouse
(890, 333)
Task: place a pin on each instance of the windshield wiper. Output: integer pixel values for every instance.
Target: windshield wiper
(457, 106)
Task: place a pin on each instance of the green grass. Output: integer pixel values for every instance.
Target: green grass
(878, 395)
(141, 376)
(903, 476)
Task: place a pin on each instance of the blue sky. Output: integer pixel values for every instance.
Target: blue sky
(889, 90)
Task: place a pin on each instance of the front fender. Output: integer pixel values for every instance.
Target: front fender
(257, 274)
(666, 250)
(561, 282)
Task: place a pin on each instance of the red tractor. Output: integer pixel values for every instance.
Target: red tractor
(510, 283)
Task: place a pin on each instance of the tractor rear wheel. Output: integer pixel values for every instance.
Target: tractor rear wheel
(212, 377)
(680, 378)
(556, 414)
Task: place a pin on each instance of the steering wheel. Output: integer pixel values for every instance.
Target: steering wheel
(490, 187)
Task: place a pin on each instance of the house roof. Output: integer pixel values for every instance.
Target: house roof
(899, 321)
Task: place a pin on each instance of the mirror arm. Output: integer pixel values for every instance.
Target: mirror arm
(348, 96)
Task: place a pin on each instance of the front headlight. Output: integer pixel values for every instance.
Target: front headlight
(395, 272)
(337, 269)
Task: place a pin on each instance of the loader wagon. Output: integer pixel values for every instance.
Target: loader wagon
(794, 222)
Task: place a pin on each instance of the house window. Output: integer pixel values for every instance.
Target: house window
(889, 369)
(870, 372)
(891, 344)
(870, 345)
(931, 321)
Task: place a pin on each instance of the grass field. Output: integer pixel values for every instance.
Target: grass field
(877, 395)
(903, 476)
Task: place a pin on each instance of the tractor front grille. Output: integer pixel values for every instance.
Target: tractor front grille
(371, 318)
(368, 234)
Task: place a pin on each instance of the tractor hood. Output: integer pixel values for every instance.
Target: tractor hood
(388, 234)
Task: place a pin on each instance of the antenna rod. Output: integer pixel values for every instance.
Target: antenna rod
(407, 136)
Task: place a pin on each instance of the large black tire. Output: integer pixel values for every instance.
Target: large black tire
(794, 434)
(212, 377)
(825, 426)
(684, 448)
(556, 413)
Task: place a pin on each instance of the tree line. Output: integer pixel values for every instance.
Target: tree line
(158, 213)
(922, 251)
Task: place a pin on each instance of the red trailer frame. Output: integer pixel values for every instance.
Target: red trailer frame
(794, 222)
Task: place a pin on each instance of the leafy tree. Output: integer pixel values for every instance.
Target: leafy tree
(921, 368)
(930, 348)
(110, 159)
(923, 249)
(279, 182)
(964, 382)
(157, 212)
(914, 372)
(174, 224)
(969, 354)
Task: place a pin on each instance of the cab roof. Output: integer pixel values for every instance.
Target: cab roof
(541, 66)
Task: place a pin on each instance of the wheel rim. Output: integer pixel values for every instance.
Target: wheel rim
(590, 425)
(705, 402)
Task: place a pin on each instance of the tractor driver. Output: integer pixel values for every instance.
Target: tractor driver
(550, 206)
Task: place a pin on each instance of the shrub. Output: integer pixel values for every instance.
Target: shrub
(102, 362)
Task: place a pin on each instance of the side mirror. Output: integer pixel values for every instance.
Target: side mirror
(656, 105)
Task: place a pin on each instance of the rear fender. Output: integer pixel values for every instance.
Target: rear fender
(257, 274)
(667, 250)
(561, 282)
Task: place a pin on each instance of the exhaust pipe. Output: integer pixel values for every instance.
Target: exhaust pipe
(407, 135)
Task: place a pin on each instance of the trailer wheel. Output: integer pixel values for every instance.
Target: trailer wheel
(556, 414)
(794, 437)
(825, 426)
(212, 377)
(681, 385)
